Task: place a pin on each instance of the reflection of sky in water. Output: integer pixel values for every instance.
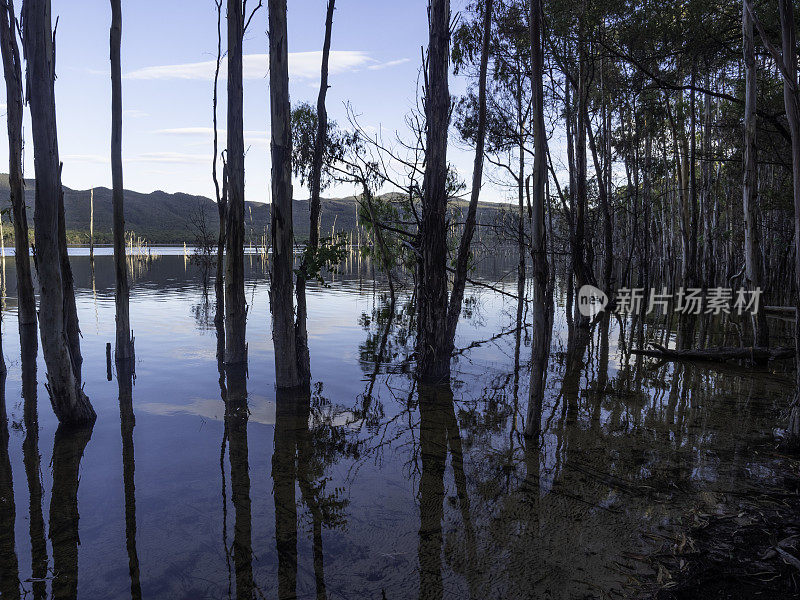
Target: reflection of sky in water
(615, 463)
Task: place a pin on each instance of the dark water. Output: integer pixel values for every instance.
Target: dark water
(372, 487)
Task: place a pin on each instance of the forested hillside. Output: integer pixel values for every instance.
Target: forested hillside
(164, 218)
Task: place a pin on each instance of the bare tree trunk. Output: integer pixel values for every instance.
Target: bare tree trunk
(69, 402)
(219, 289)
(462, 260)
(124, 348)
(281, 283)
(91, 227)
(791, 96)
(752, 239)
(12, 69)
(605, 205)
(301, 331)
(581, 266)
(235, 303)
(540, 346)
(433, 359)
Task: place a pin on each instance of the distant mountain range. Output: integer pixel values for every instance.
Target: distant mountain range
(163, 218)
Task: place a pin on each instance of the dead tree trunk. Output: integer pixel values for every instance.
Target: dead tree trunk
(581, 266)
(301, 331)
(235, 303)
(12, 69)
(281, 283)
(91, 227)
(540, 346)
(752, 239)
(462, 260)
(433, 359)
(124, 346)
(69, 402)
(791, 96)
(219, 289)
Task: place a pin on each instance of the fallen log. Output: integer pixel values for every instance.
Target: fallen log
(785, 312)
(719, 354)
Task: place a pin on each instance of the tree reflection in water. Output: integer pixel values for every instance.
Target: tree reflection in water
(68, 449)
(32, 460)
(125, 378)
(9, 566)
(378, 485)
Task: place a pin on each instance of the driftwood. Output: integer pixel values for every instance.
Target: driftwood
(719, 354)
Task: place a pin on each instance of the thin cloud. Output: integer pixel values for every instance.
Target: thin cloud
(173, 158)
(386, 65)
(95, 159)
(189, 131)
(251, 136)
(134, 113)
(302, 65)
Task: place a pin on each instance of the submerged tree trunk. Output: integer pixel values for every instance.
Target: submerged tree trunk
(540, 346)
(462, 260)
(752, 239)
(791, 97)
(63, 368)
(12, 69)
(124, 347)
(581, 266)
(219, 289)
(301, 337)
(235, 303)
(433, 358)
(281, 283)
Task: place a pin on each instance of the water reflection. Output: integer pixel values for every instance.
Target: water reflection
(68, 448)
(233, 386)
(125, 378)
(9, 567)
(364, 484)
(33, 462)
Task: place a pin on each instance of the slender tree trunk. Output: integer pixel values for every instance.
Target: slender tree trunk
(433, 358)
(219, 279)
(124, 347)
(540, 346)
(12, 69)
(791, 96)
(581, 264)
(521, 125)
(281, 283)
(235, 303)
(303, 357)
(462, 260)
(91, 227)
(605, 205)
(752, 239)
(69, 402)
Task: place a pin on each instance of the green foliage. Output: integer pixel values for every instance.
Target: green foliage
(304, 138)
(330, 253)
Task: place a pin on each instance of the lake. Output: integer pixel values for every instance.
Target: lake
(200, 483)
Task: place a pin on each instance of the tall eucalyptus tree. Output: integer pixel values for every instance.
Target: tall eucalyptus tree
(57, 315)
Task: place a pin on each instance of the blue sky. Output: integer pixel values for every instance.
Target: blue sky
(167, 55)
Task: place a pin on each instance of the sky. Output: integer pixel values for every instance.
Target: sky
(168, 54)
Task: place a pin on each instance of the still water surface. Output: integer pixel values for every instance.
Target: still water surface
(200, 484)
